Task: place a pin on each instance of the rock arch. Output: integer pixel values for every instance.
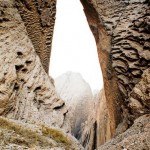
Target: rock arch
(121, 30)
(117, 26)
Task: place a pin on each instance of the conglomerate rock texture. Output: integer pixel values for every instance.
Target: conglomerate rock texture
(122, 33)
(137, 137)
(15, 135)
(77, 94)
(39, 19)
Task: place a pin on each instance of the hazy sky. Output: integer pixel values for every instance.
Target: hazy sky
(74, 47)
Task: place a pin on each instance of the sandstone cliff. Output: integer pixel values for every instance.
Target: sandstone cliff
(26, 91)
(136, 137)
(27, 94)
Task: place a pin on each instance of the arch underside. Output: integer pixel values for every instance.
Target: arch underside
(123, 43)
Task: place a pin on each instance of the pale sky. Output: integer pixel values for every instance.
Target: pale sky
(74, 47)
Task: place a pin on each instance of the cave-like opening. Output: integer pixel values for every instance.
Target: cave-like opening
(74, 48)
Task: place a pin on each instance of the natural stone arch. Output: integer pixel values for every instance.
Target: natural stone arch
(124, 60)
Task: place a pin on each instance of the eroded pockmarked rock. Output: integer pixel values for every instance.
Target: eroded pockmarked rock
(39, 19)
(122, 33)
(27, 93)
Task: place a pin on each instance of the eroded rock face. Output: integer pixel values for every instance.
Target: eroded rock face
(122, 33)
(26, 91)
(97, 130)
(88, 112)
(29, 105)
(89, 129)
(136, 137)
(39, 19)
(139, 100)
(20, 136)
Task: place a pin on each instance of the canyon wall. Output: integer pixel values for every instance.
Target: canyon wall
(87, 111)
(32, 116)
(122, 34)
(103, 130)
(39, 19)
(27, 94)
(77, 94)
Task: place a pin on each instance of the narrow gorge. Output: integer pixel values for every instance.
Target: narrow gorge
(40, 113)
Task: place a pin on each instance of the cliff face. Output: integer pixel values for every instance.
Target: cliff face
(29, 105)
(90, 122)
(88, 112)
(26, 91)
(121, 30)
(103, 130)
(96, 131)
